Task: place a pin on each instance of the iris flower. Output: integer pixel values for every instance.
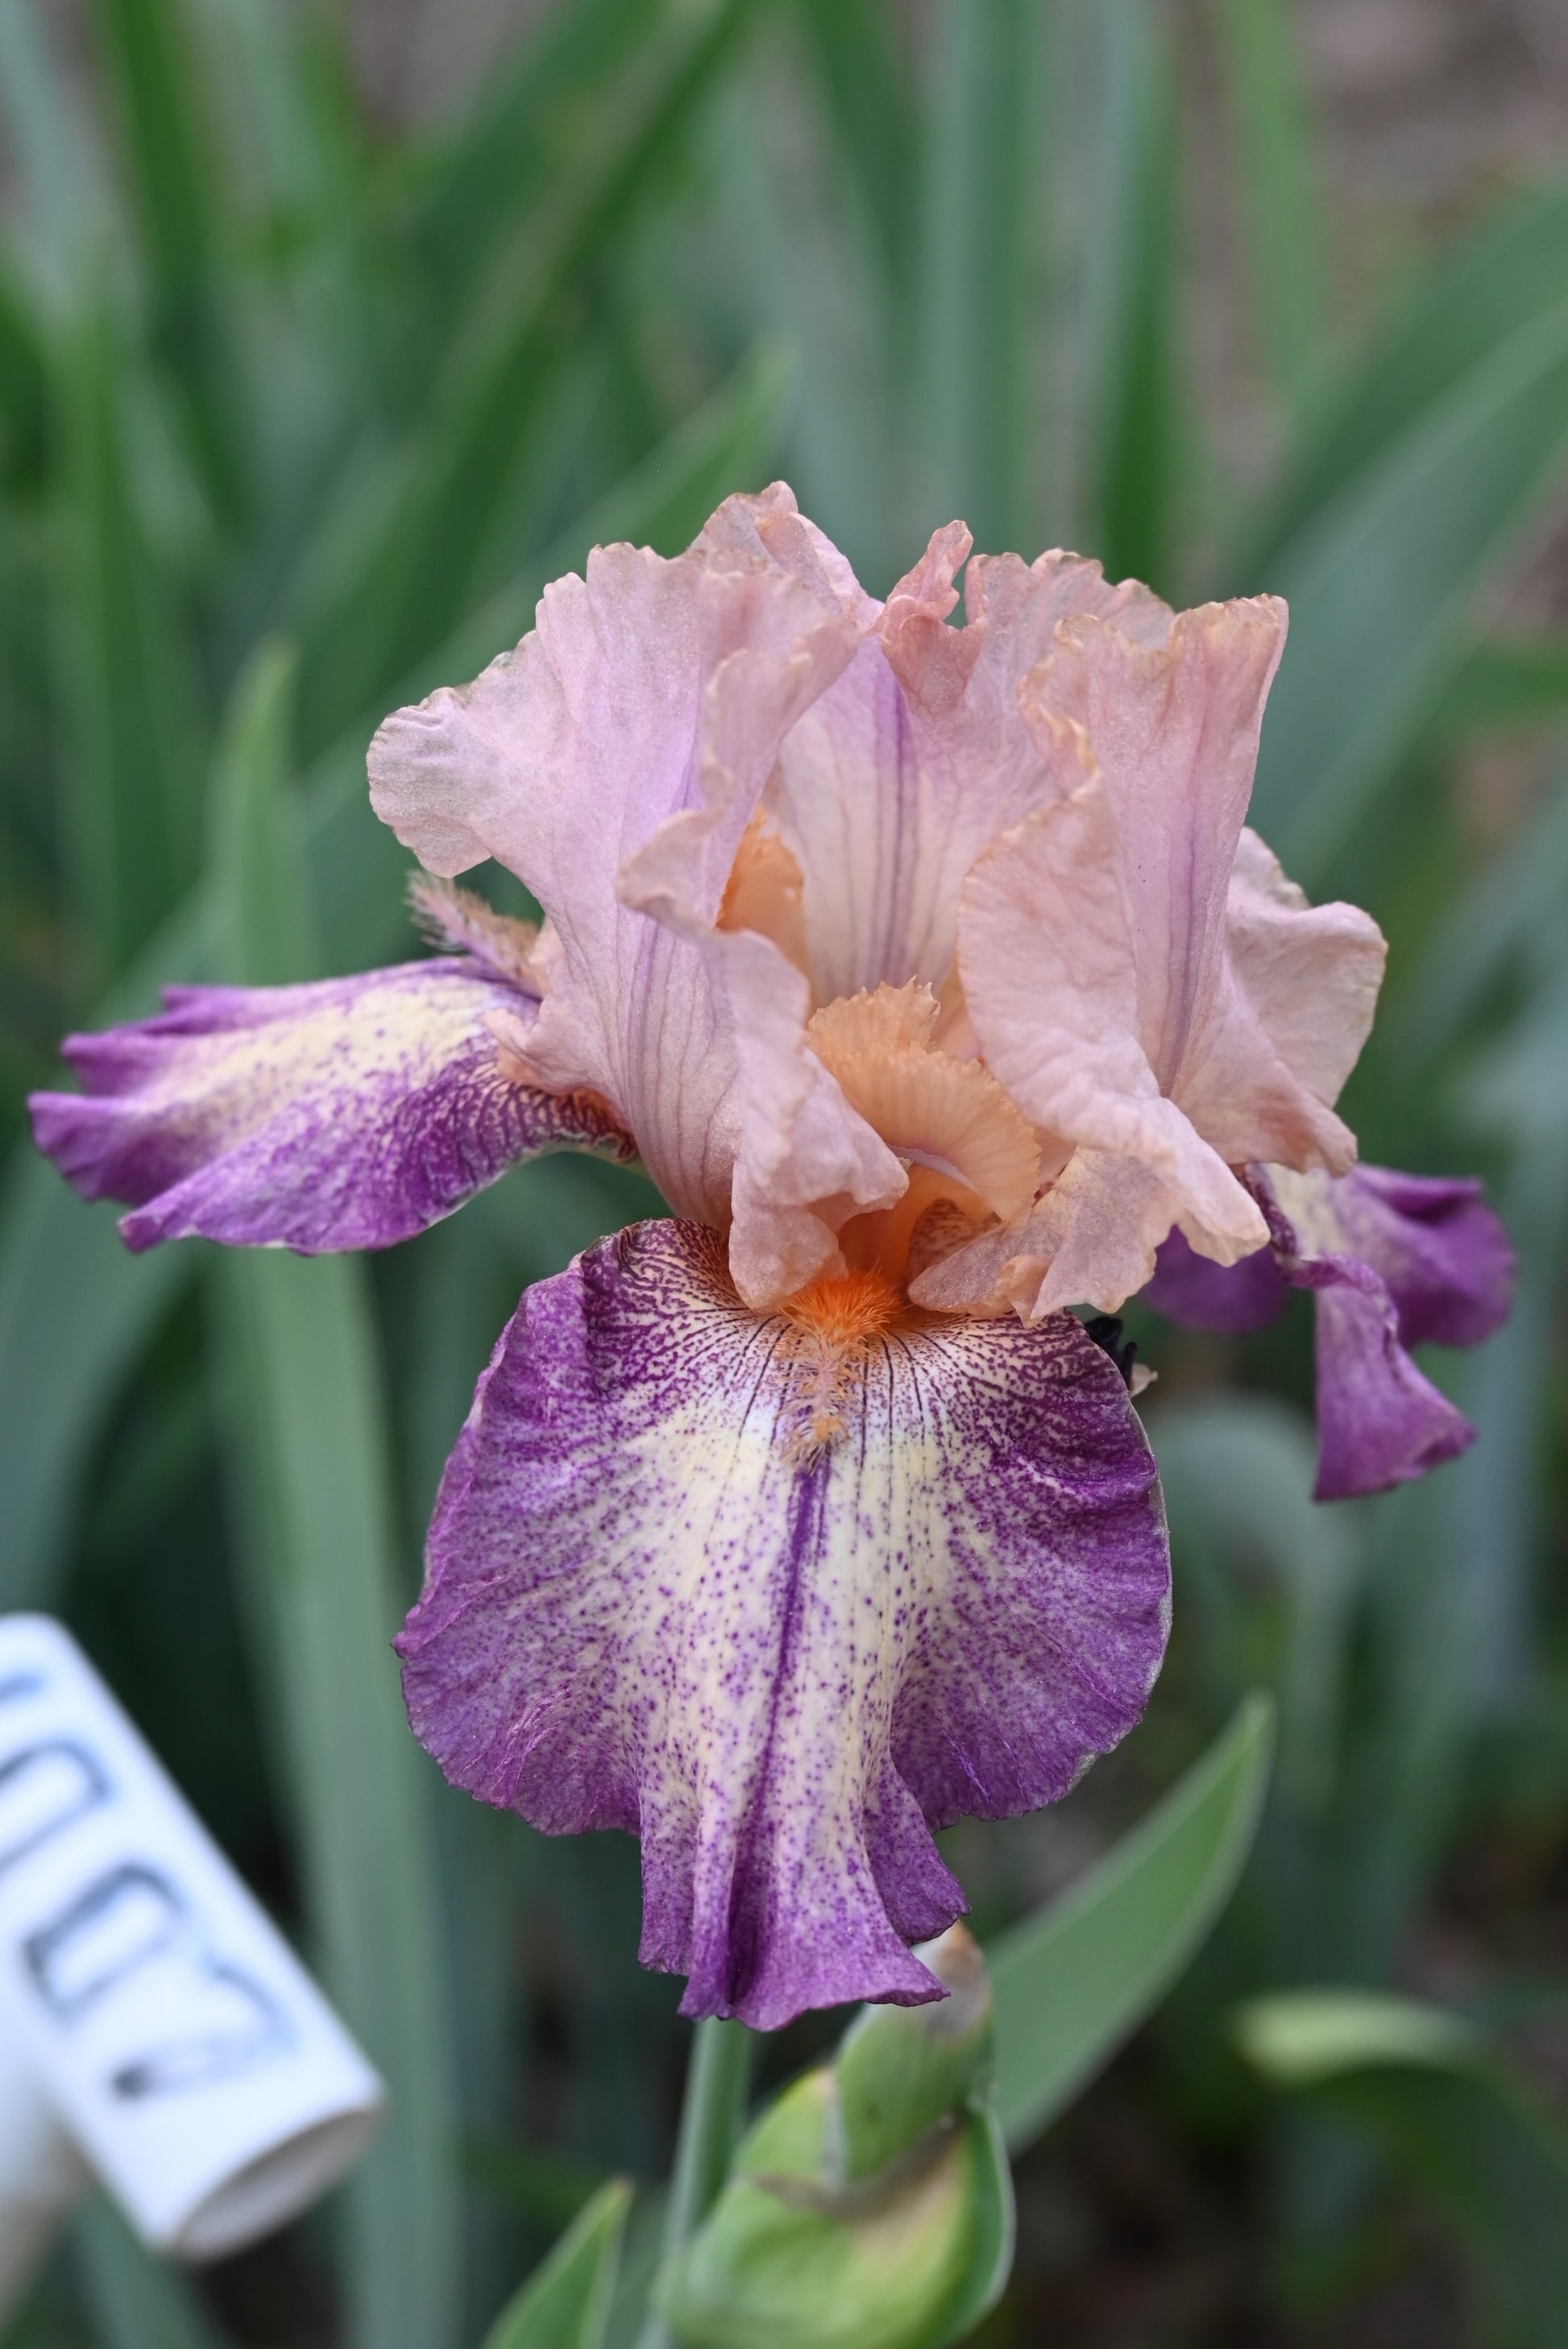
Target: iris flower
(930, 973)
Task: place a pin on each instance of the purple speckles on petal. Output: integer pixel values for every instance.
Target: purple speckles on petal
(648, 1606)
(345, 1113)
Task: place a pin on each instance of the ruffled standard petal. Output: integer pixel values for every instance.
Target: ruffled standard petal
(783, 1595)
(345, 1113)
(891, 783)
(1394, 1261)
(1295, 1006)
(1137, 970)
(613, 762)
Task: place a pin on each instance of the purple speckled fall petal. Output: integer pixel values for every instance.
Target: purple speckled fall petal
(650, 1604)
(345, 1113)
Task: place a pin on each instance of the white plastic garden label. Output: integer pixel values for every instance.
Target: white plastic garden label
(155, 2029)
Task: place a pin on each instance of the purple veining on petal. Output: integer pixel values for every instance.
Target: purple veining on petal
(649, 1605)
(345, 1113)
(1230, 1298)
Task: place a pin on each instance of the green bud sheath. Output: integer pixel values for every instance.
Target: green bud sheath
(901, 2069)
(870, 2206)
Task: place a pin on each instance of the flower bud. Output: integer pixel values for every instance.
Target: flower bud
(870, 2206)
(902, 2068)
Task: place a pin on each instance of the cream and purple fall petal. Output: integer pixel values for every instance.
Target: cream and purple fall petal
(782, 1594)
(342, 1113)
(1394, 1261)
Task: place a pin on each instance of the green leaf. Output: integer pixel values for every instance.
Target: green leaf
(356, 865)
(566, 2303)
(1237, 1473)
(313, 1473)
(75, 1308)
(260, 915)
(23, 386)
(868, 107)
(1297, 2039)
(1494, 285)
(1494, 927)
(1453, 2119)
(557, 100)
(1501, 684)
(1276, 201)
(180, 198)
(1072, 1982)
(300, 143)
(53, 162)
(428, 561)
(138, 2302)
(983, 239)
(74, 1305)
(134, 777)
(1381, 582)
(1131, 272)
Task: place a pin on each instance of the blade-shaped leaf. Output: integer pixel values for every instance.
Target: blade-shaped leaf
(549, 104)
(566, 2303)
(1070, 1984)
(1502, 683)
(428, 561)
(982, 238)
(850, 43)
(1237, 1474)
(137, 2302)
(357, 867)
(24, 384)
(135, 767)
(1494, 285)
(1379, 582)
(75, 1308)
(1452, 2119)
(313, 1470)
(1275, 194)
(74, 1305)
(1132, 393)
(46, 138)
(179, 196)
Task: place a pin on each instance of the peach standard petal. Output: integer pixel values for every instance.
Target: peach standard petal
(632, 732)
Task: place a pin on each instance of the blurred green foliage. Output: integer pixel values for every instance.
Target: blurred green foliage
(296, 416)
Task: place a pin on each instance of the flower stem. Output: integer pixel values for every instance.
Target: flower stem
(711, 2115)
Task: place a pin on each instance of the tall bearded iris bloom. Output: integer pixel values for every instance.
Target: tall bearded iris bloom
(932, 975)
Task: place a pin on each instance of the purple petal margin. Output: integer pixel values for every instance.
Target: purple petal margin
(346, 1113)
(1394, 1261)
(649, 1605)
